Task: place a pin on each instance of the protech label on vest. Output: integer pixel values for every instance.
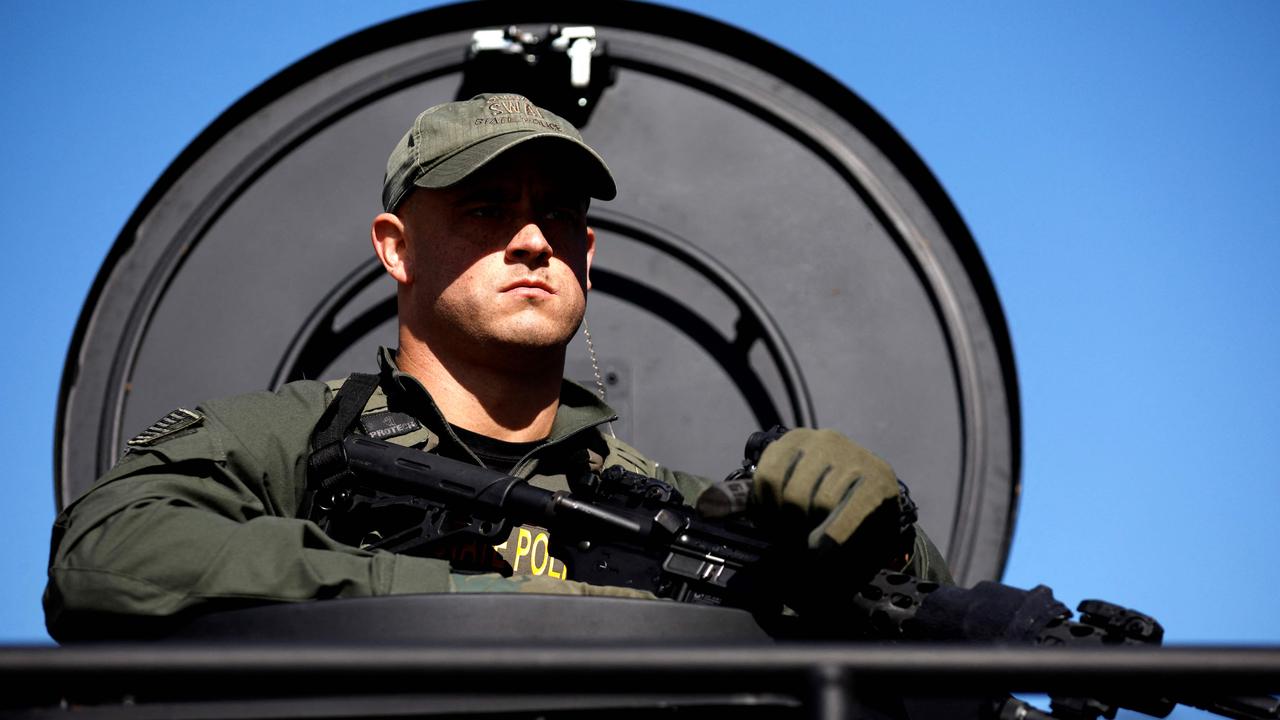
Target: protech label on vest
(174, 422)
(383, 425)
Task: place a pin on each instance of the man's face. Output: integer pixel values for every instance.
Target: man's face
(501, 260)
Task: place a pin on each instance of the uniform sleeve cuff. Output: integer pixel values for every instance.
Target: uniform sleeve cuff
(404, 575)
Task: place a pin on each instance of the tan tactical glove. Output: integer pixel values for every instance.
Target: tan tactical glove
(822, 480)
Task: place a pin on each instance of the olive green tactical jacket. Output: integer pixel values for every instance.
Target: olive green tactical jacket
(204, 516)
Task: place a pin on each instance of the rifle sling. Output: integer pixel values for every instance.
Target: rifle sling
(327, 465)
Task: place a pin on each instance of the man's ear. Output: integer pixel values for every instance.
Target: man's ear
(391, 243)
(591, 253)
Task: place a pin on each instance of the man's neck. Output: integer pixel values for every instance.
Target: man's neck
(492, 400)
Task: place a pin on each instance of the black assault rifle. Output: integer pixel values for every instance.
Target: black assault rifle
(620, 529)
(628, 530)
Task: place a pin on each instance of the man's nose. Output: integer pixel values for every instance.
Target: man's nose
(529, 245)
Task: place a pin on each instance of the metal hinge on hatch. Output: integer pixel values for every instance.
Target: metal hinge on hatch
(563, 68)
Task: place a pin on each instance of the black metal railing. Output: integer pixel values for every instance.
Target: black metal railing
(786, 680)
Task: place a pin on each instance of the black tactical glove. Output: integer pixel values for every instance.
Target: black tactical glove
(828, 485)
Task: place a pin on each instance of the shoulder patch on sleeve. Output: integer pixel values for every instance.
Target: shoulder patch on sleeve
(174, 422)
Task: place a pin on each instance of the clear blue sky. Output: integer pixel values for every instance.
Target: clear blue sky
(1117, 163)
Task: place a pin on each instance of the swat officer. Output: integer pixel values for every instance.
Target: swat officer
(484, 231)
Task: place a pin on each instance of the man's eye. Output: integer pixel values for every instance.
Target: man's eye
(564, 214)
(485, 211)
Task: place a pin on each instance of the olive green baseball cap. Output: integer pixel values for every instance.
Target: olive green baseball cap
(448, 142)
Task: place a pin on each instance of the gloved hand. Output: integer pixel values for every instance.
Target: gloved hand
(826, 483)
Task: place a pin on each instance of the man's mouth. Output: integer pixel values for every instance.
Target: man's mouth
(529, 286)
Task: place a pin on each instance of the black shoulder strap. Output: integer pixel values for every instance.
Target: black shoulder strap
(326, 465)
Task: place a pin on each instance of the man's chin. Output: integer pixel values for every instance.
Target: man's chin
(533, 338)
(537, 326)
